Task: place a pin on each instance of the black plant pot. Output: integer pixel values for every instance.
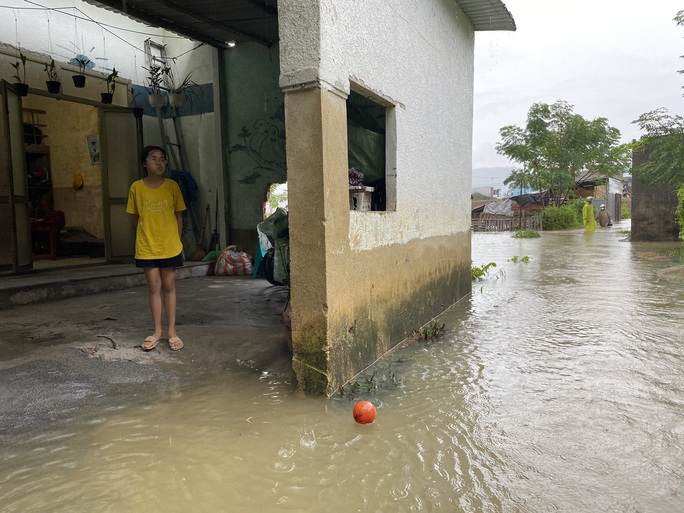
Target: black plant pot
(106, 97)
(138, 112)
(53, 86)
(22, 89)
(79, 80)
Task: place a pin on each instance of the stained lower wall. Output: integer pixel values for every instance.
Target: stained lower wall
(380, 298)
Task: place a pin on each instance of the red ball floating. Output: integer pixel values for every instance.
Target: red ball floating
(364, 412)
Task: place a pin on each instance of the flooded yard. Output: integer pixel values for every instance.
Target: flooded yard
(558, 385)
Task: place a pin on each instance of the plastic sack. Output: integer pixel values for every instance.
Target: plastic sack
(232, 262)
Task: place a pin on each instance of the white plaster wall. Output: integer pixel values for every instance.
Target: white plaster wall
(62, 30)
(418, 55)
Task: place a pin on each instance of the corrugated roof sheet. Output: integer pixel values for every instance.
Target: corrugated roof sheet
(487, 14)
(216, 22)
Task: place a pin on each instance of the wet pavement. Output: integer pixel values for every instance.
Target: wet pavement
(60, 357)
(557, 385)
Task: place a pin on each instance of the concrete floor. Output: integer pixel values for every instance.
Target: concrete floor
(70, 337)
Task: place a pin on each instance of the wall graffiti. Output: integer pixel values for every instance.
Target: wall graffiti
(265, 145)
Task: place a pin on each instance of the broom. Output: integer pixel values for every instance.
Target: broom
(199, 253)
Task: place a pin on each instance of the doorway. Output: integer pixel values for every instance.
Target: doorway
(73, 162)
(64, 172)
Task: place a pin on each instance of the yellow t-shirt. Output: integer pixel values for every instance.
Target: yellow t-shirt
(157, 231)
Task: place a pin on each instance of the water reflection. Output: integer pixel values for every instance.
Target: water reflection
(558, 386)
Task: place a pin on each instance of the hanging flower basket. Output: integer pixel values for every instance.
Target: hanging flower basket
(20, 77)
(83, 63)
(138, 112)
(22, 89)
(52, 81)
(53, 86)
(157, 100)
(176, 99)
(79, 80)
(107, 97)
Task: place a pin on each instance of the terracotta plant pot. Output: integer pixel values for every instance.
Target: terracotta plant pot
(107, 97)
(79, 80)
(22, 89)
(53, 86)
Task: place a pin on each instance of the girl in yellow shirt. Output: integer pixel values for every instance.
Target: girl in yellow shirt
(156, 206)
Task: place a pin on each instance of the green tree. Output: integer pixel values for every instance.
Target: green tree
(664, 140)
(558, 147)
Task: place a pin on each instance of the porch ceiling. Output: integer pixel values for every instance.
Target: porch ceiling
(216, 22)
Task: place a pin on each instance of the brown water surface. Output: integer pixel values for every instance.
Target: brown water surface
(558, 386)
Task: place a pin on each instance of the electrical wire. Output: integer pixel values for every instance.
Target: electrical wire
(103, 26)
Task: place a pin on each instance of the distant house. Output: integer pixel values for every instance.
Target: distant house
(489, 191)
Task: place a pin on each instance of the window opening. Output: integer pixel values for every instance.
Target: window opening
(367, 152)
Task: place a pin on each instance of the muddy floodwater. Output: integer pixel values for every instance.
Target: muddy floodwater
(558, 385)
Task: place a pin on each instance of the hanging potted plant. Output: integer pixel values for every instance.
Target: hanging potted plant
(178, 92)
(53, 83)
(110, 83)
(20, 76)
(137, 111)
(155, 81)
(79, 78)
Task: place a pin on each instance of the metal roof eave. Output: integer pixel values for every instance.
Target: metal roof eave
(487, 15)
(218, 22)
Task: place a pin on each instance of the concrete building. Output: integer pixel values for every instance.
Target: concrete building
(295, 92)
(489, 191)
(654, 208)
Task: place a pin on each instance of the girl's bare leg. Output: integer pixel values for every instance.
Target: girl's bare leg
(153, 277)
(168, 283)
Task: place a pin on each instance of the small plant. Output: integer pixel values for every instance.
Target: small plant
(186, 88)
(184, 84)
(110, 81)
(430, 332)
(516, 259)
(479, 273)
(20, 76)
(51, 71)
(526, 234)
(155, 78)
(83, 63)
(370, 385)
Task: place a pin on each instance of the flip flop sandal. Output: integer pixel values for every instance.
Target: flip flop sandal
(150, 343)
(175, 344)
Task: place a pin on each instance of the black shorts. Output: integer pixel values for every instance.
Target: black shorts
(162, 263)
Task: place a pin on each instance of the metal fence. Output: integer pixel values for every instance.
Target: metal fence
(509, 224)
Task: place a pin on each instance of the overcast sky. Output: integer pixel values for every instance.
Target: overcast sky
(608, 58)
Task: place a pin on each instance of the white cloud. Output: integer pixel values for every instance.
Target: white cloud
(609, 58)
